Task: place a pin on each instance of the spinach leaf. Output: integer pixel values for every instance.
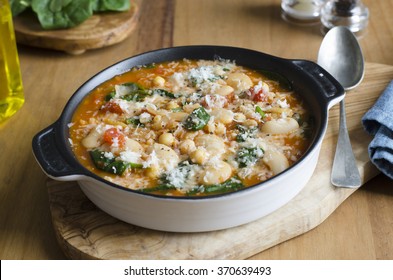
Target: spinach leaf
(111, 165)
(197, 119)
(160, 188)
(248, 156)
(231, 184)
(135, 92)
(173, 179)
(134, 121)
(18, 6)
(245, 132)
(57, 14)
(110, 5)
(163, 92)
(178, 176)
(110, 95)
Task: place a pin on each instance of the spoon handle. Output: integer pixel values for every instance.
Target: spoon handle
(345, 172)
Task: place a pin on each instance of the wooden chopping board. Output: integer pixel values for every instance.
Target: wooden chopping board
(85, 232)
(100, 30)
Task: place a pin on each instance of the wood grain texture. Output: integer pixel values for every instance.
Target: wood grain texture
(100, 30)
(85, 232)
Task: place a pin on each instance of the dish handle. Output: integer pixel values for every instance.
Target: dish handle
(53, 161)
(332, 90)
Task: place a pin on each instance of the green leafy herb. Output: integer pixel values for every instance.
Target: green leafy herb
(167, 180)
(134, 92)
(231, 184)
(248, 156)
(109, 164)
(196, 190)
(259, 111)
(18, 6)
(245, 132)
(134, 121)
(110, 5)
(59, 14)
(197, 119)
(160, 188)
(110, 96)
(164, 92)
(177, 176)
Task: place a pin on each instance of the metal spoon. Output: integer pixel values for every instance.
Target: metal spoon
(341, 55)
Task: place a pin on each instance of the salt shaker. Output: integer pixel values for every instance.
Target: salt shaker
(302, 11)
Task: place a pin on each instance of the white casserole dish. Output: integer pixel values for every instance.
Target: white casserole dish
(194, 214)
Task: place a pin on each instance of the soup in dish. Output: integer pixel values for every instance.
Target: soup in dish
(190, 128)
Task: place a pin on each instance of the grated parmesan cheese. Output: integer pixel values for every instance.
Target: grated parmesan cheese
(131, 157)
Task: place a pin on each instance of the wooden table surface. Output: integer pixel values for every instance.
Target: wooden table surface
(361, 228)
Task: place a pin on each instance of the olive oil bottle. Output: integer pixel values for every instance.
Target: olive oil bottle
(11, 88)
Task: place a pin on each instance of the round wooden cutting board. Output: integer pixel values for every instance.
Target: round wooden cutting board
(98, 31)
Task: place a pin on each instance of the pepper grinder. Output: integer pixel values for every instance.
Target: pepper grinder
(350, 13)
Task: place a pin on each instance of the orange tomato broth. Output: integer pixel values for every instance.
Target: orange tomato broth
(92, 104)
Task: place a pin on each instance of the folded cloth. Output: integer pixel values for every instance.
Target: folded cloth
(378, 121)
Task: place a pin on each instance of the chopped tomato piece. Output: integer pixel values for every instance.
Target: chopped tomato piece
(258, 95)
(112, 107)
(113, 136)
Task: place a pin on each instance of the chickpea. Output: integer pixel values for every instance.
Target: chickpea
(199, 156)
(187, 146)
(167, 139)
(159, 122)
(159, 81)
